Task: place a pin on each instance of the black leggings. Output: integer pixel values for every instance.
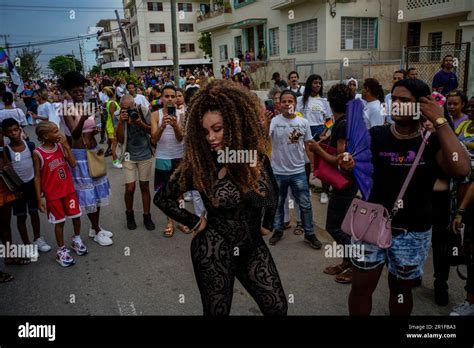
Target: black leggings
(216, 265)
(441, 237)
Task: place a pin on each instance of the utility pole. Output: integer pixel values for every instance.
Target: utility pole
(73, 60)
(124, 40)
(7, 45)
(174, 35)
(82, 57)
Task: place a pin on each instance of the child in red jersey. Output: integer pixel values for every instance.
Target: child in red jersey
(53, 179)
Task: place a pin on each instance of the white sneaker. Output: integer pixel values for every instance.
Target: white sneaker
(324, 198)
(42, 245)
(64, 258)
(78, 246)
(116, 164)
(92, 233)
(102, 239)
(464, 309)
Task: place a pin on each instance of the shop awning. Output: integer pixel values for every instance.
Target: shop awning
(248, 23)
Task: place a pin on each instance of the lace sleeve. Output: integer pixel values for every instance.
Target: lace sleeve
(167, 201)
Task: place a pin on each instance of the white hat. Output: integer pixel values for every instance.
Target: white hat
(352, 79)
(192, 77)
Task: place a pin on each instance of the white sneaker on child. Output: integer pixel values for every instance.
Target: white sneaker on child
(42, 245)
(78, 246)
(102, 239)
(463, 309)
(64, 258)
(92, 233)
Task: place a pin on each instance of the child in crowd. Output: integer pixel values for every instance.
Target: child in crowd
(53, 179)
(20, 154)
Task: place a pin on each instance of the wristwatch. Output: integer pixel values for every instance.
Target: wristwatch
(440, 122)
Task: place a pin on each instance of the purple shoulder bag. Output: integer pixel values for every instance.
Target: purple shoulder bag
(371, 222)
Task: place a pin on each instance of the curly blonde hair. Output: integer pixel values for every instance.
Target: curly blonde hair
(242, 131)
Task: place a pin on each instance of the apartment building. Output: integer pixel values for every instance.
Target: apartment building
(433, 28)
(302, 30)
(110, 47)
(149, 33)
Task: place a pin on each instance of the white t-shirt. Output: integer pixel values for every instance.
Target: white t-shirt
(141, 100)
(373, 115)
(288, 151)
(104, 98)
(16, 113)
(388, 108)
(316, 111)
(2, 105)
(192, 86)
(48, 110)
(168, 147)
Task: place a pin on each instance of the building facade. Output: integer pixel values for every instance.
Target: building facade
(435, 28)
(110, 47)
(302, 31)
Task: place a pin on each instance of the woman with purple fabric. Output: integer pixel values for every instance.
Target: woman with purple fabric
(411, 226)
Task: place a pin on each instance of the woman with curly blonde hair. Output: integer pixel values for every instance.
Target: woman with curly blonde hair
(240, 196)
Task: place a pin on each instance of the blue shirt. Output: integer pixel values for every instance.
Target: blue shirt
(447, 80)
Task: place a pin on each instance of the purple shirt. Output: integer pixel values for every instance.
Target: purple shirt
(447, 80)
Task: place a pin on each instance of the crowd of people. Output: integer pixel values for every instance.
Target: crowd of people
(177, 132)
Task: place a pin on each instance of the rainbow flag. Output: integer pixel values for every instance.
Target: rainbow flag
(329, 123)
(3, 55)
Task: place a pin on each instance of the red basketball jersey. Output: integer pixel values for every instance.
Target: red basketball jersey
(56, 179)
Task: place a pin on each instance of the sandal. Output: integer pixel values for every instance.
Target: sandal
(169, 231)
(335, 270)
(286, 225)
(345, 277)
(184, 229)
(19, 261)
(5, 277)
(299, 230)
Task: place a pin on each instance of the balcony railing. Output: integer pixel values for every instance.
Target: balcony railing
(218, 10)
(419, 10)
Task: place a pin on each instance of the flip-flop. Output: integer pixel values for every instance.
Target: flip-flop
(299, 230)
(334, 270)
(169, 231)
(184, 229)
(345, 277)
(5, 277)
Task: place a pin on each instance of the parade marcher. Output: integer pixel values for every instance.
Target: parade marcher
(294, 86)
(446, 79)
(236, 196)
(397, 76)
(456, 103)
(372, 93)
(53, 179)
(139, 163)
(394, 148)
(353, 85)
(339, 202)
(412, 73)
(290, 136)
(93, 193)
(112, 109)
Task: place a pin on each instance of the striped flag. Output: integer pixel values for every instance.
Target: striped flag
(3, 55)
(329, 123)
(15, 76)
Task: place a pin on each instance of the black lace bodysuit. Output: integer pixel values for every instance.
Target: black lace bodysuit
(231, 245)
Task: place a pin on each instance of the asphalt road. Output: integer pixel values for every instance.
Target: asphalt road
(156, 276)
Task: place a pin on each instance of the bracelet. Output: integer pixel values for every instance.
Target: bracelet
(460, 211)
(438, 127)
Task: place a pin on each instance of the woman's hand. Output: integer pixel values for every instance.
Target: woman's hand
(41, 205)
(430, 108)
(345, 161)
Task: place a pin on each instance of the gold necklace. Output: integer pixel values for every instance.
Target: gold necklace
(404, 136)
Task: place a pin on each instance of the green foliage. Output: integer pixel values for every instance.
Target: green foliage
(95, 70)
(29, 68)
(205, 43)
(128, 77)
(61, 65)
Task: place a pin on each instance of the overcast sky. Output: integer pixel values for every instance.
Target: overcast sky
(50, 20)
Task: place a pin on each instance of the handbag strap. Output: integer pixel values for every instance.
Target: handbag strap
(424, 141)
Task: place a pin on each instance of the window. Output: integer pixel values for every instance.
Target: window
(185, 6)
(274, 42)
(187, 48)
(223, 52)
(136, 50)
(186, 28)
(155, 6)
(237, 45)
(358, 33)
(157, 27)
(241, 3)
(303, 37)
(158, 48)
(435, 40)
(134, 31)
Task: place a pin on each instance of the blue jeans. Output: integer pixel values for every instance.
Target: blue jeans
(299, 187)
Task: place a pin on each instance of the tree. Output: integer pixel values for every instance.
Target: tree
(95, 70)
(205, 43)
(63, 64)
(29, 68)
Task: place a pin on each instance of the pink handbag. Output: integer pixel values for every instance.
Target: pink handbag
(371, 222)
(327, 173)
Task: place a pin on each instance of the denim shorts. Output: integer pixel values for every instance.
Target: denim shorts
(408, 249)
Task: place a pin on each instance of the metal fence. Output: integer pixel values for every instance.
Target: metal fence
(427, 60)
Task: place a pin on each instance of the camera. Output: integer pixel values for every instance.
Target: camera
(133, 114)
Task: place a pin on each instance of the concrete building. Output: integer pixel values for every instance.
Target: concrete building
(298, 33)
(149, 33)
(436, 28)
(110, 47)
